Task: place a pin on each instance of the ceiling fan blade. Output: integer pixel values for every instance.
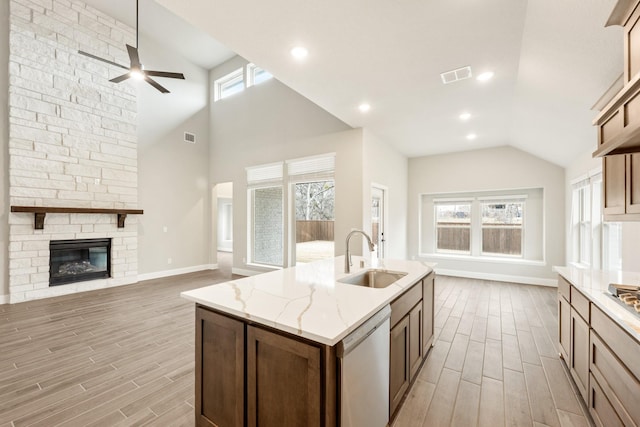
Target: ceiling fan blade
(133, 56)
(164, 74)
(120, 78)
(102, 59)
(155, 84)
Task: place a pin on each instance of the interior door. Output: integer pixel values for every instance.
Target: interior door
(377, 219)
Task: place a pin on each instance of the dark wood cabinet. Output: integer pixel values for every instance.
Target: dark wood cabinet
(219, 370)
(428, 284)
(415, 339)
(399, 367)
(286, 380)
(283, 381)
(411, 338)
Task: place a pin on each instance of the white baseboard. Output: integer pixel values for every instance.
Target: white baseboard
(228, 250)
(244, 272)
(176, 271)
(498, 277)
(4, 299)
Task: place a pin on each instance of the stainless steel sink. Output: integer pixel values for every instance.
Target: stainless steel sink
(374, 278)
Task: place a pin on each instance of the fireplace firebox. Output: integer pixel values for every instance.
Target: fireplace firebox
(79, 260)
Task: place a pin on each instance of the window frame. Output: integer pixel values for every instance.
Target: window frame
(503, 200)
(252, 70)
(229, 79)
(455, 202)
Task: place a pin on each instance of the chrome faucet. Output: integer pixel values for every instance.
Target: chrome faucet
(347, 255)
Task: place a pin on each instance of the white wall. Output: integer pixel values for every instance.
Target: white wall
(270, 122)
(582, 165)
(173, 175)
(490, 169)
(4, 151)
(385, 166)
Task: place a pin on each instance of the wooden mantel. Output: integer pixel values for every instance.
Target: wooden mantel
(41, 211)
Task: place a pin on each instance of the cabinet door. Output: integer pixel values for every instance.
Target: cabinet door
(579, 355)
(613, 173)
(415, 339)
(633, 183)
(427, 313)
(283, 381)
(398, 363)
(219, 370)
(564, 328)
(600, 408)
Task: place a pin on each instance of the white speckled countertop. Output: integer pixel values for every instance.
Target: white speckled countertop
(307, 300)
(594, 283)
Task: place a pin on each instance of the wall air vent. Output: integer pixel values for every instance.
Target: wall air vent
(190, 137)
(456, 75)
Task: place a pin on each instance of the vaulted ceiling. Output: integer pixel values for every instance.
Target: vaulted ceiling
(552, 60)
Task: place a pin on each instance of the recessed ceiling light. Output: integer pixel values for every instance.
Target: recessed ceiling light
(364, 107)
(485, 76)
(465, 116)
(471, 136)
(299, 52)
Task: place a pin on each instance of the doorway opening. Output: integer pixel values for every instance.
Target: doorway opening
(378, 200)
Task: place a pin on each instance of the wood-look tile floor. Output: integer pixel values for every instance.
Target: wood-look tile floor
(494, 361)
(124, 357)
(116, 357)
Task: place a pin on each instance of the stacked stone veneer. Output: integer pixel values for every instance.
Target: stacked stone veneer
(72, 140)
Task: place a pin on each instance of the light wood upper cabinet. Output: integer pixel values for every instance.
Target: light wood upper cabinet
(619, 121)
(621, 178)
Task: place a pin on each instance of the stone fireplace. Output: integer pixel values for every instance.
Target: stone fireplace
(72, 143)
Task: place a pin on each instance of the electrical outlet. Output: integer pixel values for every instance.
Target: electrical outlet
(169, 260)
(96, 181)
(165, 229)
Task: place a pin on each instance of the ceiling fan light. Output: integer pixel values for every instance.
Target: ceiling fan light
(137, 74)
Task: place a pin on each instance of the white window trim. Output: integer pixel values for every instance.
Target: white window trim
(225, 80)
(251, 74)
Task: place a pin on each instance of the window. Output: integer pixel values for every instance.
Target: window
(487, 225)
(308, 235)
(256, 75)
(502, 227)
(453, 227)
(594, 243)
(229, 85)
(266, 215)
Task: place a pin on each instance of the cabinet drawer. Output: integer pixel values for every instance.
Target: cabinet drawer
(600, 408)
(620, 343)
(621, 388)
(405, 302)
(564, 288)
(580, 303)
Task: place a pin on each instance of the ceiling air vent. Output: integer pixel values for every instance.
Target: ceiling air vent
(456, 75)
(190, 137)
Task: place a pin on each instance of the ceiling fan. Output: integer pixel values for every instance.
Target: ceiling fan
(136, 69)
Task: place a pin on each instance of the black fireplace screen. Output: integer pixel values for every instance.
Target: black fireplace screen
(79, 260)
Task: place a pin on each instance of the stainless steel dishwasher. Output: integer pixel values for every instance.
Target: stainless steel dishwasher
(364, 373)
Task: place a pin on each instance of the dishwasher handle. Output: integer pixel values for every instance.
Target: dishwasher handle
(352, 340)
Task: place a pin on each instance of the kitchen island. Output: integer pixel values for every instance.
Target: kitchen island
(599, 339)
(266, 345)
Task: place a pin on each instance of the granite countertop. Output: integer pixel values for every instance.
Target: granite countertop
(594, 283)
(307, 300)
